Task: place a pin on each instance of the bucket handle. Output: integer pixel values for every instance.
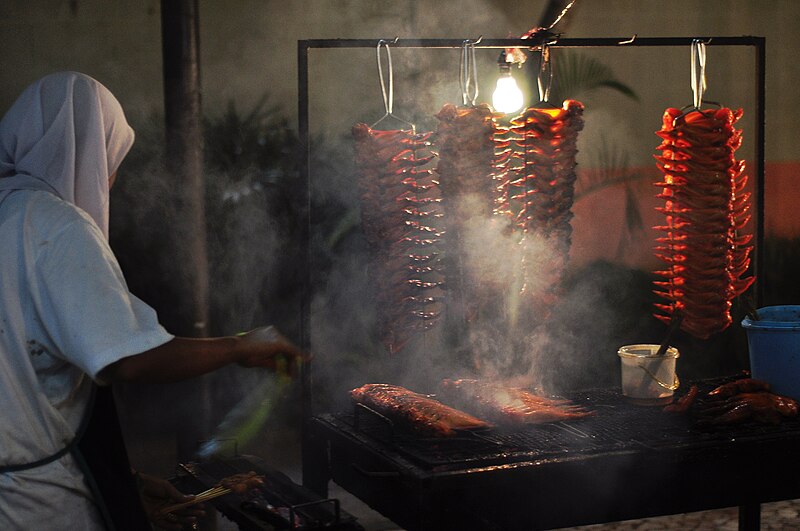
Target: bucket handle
(675, 382)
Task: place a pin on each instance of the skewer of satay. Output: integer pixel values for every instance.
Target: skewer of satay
(238, 484)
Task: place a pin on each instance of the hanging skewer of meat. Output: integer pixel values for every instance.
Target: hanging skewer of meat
(705, 210)
(466, 170)
(545, 142)
(400, 211)
(465, 140)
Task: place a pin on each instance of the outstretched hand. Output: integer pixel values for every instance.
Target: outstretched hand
(267, 347)
(157, 493)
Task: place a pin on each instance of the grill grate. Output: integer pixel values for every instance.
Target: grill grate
(617, 426)
(278, 504)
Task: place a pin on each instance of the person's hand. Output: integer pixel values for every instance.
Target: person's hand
(267, 347)
(157, 493)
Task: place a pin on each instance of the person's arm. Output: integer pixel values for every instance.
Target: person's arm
(184, 358)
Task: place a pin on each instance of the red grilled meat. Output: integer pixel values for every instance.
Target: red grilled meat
(413, 410)
(470, 189)
(400, 213)
(705, 210)
(509, 405)
(683, 404)
(743, 385)
(543, 153)
(762, 407)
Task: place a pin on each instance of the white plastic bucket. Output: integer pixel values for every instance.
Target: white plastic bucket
(648, 379)
(773, 343)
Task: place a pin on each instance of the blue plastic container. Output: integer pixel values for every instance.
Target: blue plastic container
(774, 345)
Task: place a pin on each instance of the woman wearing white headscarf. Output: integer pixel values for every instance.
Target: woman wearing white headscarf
(67, 319)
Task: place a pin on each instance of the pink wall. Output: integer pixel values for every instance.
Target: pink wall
(782, 198)
(599, 225)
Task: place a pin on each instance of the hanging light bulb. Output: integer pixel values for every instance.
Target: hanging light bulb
(507, 97)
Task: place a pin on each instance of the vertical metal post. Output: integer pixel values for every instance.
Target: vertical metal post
(311, 454)
(750, 517)
(761, 75)
(184, 158)
(187, 237)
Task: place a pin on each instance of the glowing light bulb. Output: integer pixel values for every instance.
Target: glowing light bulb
(507, 97)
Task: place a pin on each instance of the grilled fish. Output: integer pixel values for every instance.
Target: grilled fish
(418, 412)
(508, 405)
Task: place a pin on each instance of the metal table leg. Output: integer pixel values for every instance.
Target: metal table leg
(750, 517)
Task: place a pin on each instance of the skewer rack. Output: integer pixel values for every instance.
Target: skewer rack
(304, 48)
(749, 515)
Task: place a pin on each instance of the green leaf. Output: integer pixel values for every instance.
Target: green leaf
(576, 74)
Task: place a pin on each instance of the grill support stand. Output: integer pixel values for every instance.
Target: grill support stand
(314, 452)
(750, 517)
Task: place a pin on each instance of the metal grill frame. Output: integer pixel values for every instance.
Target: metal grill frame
(320, 437)
(742, 466)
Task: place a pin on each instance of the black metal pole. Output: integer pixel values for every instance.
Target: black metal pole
(187, 236)
(555, 42)
(750, 517)
(761, 76)
(309, 464)
(184, 159)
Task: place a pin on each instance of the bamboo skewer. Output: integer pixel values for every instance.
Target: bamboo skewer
(238, 483)
(201, 497)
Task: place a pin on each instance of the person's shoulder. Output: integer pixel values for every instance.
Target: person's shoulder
(49, 214)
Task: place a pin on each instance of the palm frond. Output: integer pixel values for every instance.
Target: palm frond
(238, 143)
(576, 74)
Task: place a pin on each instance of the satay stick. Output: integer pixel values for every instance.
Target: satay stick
(206, 495)
(248, 480)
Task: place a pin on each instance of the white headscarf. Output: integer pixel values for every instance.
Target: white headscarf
(65, 134)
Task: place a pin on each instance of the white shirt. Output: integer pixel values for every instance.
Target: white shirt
(65, 313)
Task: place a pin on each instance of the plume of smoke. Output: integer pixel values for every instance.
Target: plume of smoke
(252, 251)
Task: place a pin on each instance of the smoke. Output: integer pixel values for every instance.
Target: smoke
(252, 248)
(254, 223)
(557, 333)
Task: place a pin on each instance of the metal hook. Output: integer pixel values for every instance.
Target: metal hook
(698, 79)
(545, 77)
(698, 51)
(629, 41)
(468, 72)
(388, 95)
(388, 99)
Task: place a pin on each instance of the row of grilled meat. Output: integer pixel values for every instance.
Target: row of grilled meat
(468, 404)
(425, 197)
(736, 402)
(464, 404)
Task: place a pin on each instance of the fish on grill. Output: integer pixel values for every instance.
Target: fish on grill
(509, 405)
(418, 412)
(705, 210)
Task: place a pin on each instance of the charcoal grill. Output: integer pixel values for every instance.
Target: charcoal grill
(626, 462)
(278, 504)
